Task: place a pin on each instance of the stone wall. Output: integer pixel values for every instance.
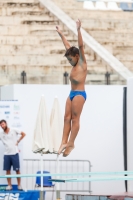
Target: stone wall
(30, 43)
(112, 29)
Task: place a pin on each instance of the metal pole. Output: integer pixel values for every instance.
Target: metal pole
(66, 78)
(41, 191)
(107, 76)
(41, 195)
(90, 176)
(57, 184)
(23, 74)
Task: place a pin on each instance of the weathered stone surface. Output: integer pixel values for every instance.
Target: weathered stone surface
(112, 29)
(28, 19)
(29, 42)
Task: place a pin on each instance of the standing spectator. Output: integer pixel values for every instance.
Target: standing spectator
(9, 137)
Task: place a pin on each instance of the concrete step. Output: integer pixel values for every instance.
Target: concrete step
(19, 3)
(48, 75)
(27, 14)
(9, 11)
(9, 50)
(92, 14)
(32, 80)
(124, 58)
(110, 33)
(23, 30)
(39, 30)
(39, 69)
(123, 53)
(99, 76)
(36, 60)
(100, 79)
(29, 42)
(96, 67)
(69, 4)
(34, 40)
(16, 1)
(30, 60)
(108, 24)
(21, 13)
(40, 74)
(112, 44)
(37, 20)
(129, 65)
(109, 36)
(37, 50)
(119, 48)
(50, 80)
(120, 51)
(47, 60)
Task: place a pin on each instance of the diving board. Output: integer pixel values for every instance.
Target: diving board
(89, 179)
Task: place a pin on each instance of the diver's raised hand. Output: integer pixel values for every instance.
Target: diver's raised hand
(58, 29)
(78, 23)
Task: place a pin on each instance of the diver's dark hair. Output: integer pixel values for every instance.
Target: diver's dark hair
(72, 51)
(1, 121)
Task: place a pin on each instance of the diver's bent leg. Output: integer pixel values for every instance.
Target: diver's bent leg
(77, 106)
(67, 125)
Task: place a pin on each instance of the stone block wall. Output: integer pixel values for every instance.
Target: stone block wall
(30, 43)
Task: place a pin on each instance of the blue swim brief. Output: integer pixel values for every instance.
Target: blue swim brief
(74, 93)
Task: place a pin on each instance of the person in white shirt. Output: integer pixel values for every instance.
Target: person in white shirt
(9, 137)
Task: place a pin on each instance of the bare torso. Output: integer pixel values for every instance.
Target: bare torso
(77, 77)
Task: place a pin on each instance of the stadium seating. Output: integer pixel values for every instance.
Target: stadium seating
(88, 5)
(100, 5)
(30, 43)
(113, 6)
(111, 29)
(107, 5)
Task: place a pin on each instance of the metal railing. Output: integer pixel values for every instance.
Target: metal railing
(65, 166)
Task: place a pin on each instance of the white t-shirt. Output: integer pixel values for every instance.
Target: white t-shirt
(10, 141)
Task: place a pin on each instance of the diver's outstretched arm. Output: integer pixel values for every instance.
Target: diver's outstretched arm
(64, 40)
(80, 44)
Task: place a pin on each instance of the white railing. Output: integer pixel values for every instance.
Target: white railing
(31, 166)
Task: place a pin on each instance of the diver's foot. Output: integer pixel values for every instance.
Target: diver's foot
(68, 149)
(62, 147)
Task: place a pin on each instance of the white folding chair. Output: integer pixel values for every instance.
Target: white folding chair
(100, 5)
(113, 6)
(88, 5)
